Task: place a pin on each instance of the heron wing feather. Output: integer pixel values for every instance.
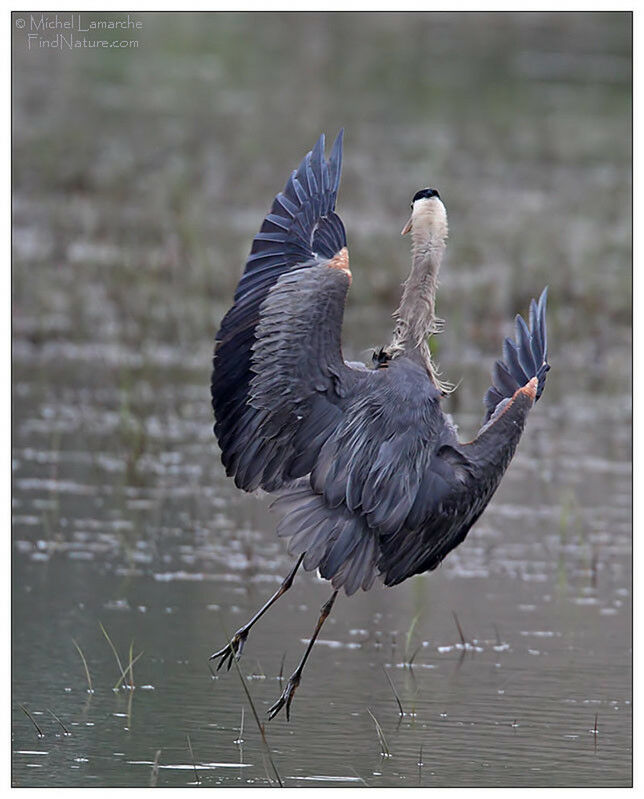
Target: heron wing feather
(279, 379)
(525, 357)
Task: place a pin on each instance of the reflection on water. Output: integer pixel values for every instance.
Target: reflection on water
(512, 662)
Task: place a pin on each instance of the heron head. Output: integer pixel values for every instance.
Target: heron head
(428, 218)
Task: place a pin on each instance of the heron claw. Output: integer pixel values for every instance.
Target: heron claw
(233, 649)
(285, 699)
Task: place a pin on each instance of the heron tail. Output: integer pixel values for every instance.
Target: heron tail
(333, 540)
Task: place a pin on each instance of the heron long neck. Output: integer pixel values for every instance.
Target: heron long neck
(415, 317)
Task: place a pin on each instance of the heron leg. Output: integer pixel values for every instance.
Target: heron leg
(235, 646)
(291, 686)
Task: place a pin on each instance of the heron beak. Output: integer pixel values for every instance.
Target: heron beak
(407, 227)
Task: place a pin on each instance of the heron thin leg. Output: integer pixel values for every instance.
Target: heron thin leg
(235, 646)
(291, 686)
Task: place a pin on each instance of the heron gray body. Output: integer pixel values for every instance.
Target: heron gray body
(371, 478)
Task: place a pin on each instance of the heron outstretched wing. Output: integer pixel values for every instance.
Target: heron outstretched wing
(279, 381)
(450, 502)
(445, 511)
(523, 359)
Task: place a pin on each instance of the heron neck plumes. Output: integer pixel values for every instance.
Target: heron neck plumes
(415, 317)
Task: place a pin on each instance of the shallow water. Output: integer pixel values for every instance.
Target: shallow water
(127, 244)
(541, 589)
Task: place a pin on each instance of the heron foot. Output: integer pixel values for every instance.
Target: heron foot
(286, 698)
(233, 649)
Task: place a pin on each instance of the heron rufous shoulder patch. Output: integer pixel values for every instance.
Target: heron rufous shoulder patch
(341, 261)
(530, 391)
(530, 388)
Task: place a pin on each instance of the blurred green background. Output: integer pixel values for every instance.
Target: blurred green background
(140, 175)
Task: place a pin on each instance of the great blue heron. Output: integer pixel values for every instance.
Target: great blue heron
(372, 479)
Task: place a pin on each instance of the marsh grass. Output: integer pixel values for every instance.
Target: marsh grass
(259, 724)
(131, 664)
(25, 710)
(401, 712)
(260, 674)
(154, 775)
(192, 758)
(128, 670)
(362, 779)
(240, 740)
(595, 732)
(410, 655)
(384, 746)
(64, 728)
(112, 647)
(460, 630)
(90, 689)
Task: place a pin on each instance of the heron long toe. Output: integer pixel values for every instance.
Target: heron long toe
(285, 699)
(233, 649)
